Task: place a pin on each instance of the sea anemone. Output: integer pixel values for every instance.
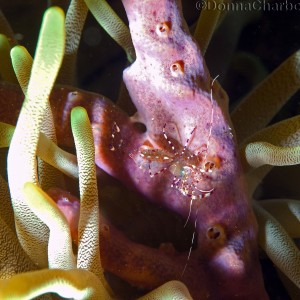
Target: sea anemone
(35, 235)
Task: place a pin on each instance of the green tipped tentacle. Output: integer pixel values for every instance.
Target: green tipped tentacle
(6, 70)
(206, 25)
(22, 64)
(31, 231)
(113, 25)
(88, 228)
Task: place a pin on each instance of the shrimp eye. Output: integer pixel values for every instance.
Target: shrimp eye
(212, 163)
(209, 166)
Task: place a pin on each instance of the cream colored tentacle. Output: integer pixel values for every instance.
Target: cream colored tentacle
(286, 212)
(170, 290)
(113, 25)
(75, 19)
(32, 233)
(282, 134)
(22, 63)
(13, 258)
(76, 284)
(267, 99)
(56, 157)
(60, 253)
(88, 256)
(262, 153)
(46, 150)
(276, 242)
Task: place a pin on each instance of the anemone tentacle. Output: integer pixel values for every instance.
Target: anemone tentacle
(6, 134)
(60, 253)
(75, 19)
(13, 258)
(113, 25)
(206, 25)
(282, 134)
(6, 70)
(276, 242)
(47, 150)
(88, 228)
(6, 29)
(76, 283)
(286, 212)
(262, 153)
(22, 64)
(267, 98)
(32, 233)
(6, 210)
(170, 290)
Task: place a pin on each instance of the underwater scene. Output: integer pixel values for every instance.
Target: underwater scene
(149, 149)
